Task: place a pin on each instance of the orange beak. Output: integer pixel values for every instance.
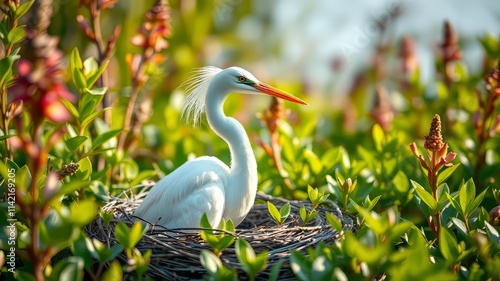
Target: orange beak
(270, 90)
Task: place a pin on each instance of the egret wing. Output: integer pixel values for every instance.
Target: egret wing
(180, 199)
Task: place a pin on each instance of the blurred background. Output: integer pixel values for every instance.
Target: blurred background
(358, 63)
(322, 43)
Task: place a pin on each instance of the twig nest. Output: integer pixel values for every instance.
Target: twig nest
(176, 254)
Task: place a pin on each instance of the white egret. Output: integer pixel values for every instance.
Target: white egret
(206, 184)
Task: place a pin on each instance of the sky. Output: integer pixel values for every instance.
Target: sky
(311, 33)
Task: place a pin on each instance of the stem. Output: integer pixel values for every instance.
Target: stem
(102, 56)
(130, 106)
(276, 155)
(481, 139)
(3, 94)
(99, 42)
(5, 122)
(432, 177)
(37, 163)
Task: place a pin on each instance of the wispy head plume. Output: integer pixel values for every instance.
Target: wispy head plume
(196, 87)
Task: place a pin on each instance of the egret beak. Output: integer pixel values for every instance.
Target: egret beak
(270, 90)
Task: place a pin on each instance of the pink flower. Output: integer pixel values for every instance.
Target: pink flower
(41, 89)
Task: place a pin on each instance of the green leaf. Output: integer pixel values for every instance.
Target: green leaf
(217, 242)
(301, 265)
(87, 107)
(310, 216)
(100, 252)
(6, 64)
(273, 211)
(275, 270)
(79, 248)
(102, 138)
(23, 9)
(460, 226)
(251, 262)
(285, 211)
(71, 108)
(76, 66)
(128, 238)
(23, 178)
(114, 251)
(378, 136)
(492, 233)
(106, 217)
(130, 170)
(79, 79)
(244, 252)
(209, 261)
(454, 203)
(312, 193)
(204, 223)
(303, 213)
(446, 173)
(370, 204)
(97, 175)
(476, 202)
(441, 194)
(334, 222)
(56, 229)
(74, 143)
(224, 242)
(72, 186)
(230, 226)
(85, 170)
(3, 31)
(70, 268)
(491, 43)
(4, 137)
(448, 245)
(322, 269)
(426, 197)
(88, 119)
(467, 194)
(83, 212)
(97, 91)
(313, 161)
(114, 272)
(94, 75)
(16, 35)
(372, 219)
(75, 60)
(214, 267)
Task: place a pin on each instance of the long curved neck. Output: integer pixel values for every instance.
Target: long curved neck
(242, 185)
(232, 132)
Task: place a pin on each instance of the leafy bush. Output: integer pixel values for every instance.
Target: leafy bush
(73, 135)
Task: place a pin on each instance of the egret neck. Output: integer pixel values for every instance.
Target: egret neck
(240, 195)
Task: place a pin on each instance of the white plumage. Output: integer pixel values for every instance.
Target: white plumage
(206, 184)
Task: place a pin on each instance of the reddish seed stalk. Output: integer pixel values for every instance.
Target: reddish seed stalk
(432, 177)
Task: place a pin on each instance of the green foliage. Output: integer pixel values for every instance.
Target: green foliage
(217, 239)
(281, 215)
(334, 222)
(316, 197)
(216, 271)
(252, 263)
(128, 238)
(414, 223)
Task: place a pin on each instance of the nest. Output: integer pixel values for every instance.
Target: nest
(176, 253)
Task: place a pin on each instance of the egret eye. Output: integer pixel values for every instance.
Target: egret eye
(242, 79)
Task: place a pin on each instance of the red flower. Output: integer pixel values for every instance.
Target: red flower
(41, 90)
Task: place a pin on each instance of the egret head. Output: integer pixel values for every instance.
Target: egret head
(223, 82)
(242, 81)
